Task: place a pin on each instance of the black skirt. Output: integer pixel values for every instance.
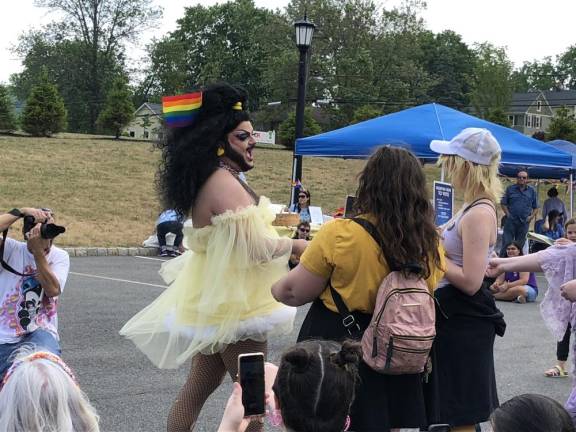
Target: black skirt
(382, 401)
(462, 386)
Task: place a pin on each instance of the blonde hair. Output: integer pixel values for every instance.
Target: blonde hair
(474, 179)
(41, 395)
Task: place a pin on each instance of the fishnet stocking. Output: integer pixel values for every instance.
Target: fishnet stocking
(206, 374)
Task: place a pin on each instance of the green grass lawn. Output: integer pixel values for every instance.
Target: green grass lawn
(103, 190)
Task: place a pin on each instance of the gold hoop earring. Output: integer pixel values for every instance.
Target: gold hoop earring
(220, 152)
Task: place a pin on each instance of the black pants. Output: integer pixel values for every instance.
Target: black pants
(169, 227)
(563, 347)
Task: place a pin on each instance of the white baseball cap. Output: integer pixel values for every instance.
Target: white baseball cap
(473, 144)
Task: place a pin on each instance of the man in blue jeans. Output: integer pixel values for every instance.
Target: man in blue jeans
(29, 300)
(520, 205)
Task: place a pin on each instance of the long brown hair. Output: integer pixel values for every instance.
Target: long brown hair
(392, 189)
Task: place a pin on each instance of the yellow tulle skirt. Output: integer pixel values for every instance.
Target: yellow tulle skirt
(219, 290)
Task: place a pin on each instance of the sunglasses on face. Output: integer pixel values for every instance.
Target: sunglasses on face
(522, 177)
(304, 230)
(302, 196)
(242, 136)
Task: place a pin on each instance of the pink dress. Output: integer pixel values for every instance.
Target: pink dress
(559, 266)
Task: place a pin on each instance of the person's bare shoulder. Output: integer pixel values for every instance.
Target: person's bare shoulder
(223, 192)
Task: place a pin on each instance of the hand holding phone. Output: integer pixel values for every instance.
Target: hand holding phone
(251, 377)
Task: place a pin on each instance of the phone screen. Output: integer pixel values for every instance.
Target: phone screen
(251, 372)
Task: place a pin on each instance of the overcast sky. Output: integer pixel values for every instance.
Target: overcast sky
(530, 29)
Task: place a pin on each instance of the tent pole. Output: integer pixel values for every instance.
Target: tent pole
(571, 193)
(442, 174)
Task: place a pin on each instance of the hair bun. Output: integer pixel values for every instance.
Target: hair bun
(299, 359)
(349, 355)
(217, 98)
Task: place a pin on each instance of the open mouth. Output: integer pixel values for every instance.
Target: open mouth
(249, 154)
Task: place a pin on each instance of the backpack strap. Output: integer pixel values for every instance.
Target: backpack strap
(348, 320)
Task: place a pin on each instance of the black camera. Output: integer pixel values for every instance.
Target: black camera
(47, 230)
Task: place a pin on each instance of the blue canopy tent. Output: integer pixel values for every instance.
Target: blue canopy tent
(414, 128)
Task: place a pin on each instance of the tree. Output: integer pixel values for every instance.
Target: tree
(366, 112)
(450, 62)
(492, 89)
(7, 117)
(118, 110)
(233, 41)
(567, 68)
(498, 116)
(562, 126)
(287, 132)
(537, 75)
(44, 113)
(102, 27)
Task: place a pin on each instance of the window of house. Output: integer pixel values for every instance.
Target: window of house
(146, 134)
(132, 134)
(537, 121)
(511, 120)
(528, 120)
(539, 106)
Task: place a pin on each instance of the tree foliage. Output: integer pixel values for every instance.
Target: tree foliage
(45, 113)
(7, 117)
(366, 112)
(562, 126)
(84, 51)
(287, 132)
(118, 110)
(537, 75)
(492, 89)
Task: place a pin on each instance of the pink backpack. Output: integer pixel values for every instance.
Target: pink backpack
(400, 335)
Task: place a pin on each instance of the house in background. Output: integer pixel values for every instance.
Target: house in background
(147, 123)
(530, 112)
(533, 111)
(560, 98)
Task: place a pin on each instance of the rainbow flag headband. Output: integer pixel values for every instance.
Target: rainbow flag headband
(41, 355)
(180, 111)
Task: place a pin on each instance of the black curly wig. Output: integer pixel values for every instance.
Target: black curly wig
(189, 153)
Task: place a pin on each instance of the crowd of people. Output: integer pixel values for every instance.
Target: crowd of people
(238, 284)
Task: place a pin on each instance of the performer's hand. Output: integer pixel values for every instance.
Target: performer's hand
(233, 419)
(298, 246)
(568, 290)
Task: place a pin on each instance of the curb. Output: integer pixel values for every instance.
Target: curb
(112, 251)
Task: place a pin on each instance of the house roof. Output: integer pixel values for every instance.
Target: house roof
(561, 97)
(154, 107)
(522, 101)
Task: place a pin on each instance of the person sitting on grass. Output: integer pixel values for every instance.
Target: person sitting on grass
(313, 389)
(302, 232)
(531, 412)
(519, 287)
(39, 393)
(302, 207)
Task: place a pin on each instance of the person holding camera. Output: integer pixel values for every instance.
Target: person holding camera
(32, 276)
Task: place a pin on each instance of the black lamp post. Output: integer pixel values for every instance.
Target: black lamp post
(304, 33)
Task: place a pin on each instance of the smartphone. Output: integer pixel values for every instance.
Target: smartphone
(251, 375)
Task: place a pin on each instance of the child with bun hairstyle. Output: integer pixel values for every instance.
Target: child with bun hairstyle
(313, 389)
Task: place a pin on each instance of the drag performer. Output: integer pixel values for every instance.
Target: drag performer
(218, 303)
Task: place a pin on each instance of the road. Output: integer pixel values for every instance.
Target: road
(130, 394)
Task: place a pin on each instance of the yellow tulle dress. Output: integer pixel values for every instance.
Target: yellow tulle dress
(219, 290)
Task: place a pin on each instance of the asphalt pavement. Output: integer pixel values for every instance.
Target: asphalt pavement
(130, 394)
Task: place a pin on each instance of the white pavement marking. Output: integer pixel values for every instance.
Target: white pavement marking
(117, 280)
(150, 258)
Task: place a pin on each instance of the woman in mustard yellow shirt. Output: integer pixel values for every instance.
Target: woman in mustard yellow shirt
(392, 196)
